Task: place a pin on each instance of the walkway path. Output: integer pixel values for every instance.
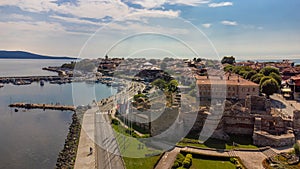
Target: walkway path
(167, 160)
(85, 160)
(286, 106)
(251, 159)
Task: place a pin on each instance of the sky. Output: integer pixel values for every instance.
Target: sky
(246, 29)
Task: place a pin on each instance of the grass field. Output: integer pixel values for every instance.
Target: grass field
(130, 146)
(241, 141)
(211, 164)
(142, 163)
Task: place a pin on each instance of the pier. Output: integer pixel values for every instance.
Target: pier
(42, 106)
(25, 80)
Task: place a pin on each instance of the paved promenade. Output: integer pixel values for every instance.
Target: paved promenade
(84, 159)
(167, 160)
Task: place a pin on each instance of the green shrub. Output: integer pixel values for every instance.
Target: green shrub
(176, 165)
(297, 149)
(178, 162)
(238, 167)
(115, 121)
(190, 156)
(233, 160)
(186, 163)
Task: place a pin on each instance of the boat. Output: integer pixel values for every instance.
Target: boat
(1, 85)
(42, 83)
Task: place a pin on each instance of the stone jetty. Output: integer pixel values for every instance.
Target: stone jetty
(43, 106)
(67, 156)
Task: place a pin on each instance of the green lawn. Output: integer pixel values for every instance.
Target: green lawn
(142, 163)
(198, 163)
(242, 141)
(130, 146)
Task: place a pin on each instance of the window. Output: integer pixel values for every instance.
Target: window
(253, 89)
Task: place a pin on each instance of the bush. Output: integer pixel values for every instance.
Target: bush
(238, 167)
(186, 163)
(176, 164)
(233, 160)
(297, 149)
(115, 121)
(190, 156)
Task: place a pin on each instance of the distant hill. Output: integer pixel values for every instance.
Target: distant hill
(26, 55)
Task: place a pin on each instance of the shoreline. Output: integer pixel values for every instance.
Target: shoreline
(67, 156)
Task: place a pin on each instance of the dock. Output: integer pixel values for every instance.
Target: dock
(43, 106)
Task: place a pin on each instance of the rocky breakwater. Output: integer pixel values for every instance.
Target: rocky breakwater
(66, 158)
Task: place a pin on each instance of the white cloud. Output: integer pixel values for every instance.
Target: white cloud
(75, 20)
(32, 29)
(19, 17)
(188, 2)
(206, 25)
(158, 3)
(229, 23)
(220, 4)
(32, 5)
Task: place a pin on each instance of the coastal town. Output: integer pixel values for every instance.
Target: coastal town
(258, 102)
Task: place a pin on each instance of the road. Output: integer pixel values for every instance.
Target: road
(285, 106)
(108, 154)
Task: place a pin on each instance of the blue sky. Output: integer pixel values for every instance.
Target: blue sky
(247, 29)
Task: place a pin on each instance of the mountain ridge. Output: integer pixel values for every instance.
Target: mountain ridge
(27, 55)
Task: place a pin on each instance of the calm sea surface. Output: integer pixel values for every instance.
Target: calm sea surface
(33, 138)
(296, 61)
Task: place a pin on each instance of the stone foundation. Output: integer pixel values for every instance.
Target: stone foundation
(262, 138)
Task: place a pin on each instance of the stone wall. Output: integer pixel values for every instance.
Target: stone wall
(258, 105)
(296, 122)
(164, 121)
(261, 138)
(239, 125)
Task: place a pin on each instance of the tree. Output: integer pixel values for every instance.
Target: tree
(163, 66)
(268, 70)
(256, 78)
(243, 72)
(161, 84)
(228, 68)
(237, 69)
(263, 79)
(276, 77)
(137, 96)
(249, 74)
(228, 59)
(69, 65)
(172, 85)
(269, 87)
